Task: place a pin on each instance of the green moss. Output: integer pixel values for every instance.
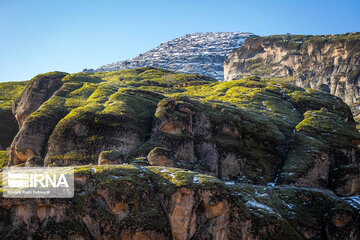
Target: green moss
(301, 156)
(315, 100)
(252, 118)
(329, 128)
(112, 155)
(72, 158)
(4, 158)
(128, 184)
(9, 91)
(81, 78)
(299, 41)
(149, 76)
(355, 109)
(53, 109)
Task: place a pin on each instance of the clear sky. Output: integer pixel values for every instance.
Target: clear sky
(69, 35)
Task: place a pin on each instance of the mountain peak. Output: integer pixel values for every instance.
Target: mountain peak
(202, 53)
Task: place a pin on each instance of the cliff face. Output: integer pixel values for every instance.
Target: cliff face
(9, 91)
(133, 202)
(249, 130)
(330, 63)
(37, 91)
(163, 155)
(202, 53)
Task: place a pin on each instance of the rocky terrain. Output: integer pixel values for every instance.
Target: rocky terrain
(202, 53)
(164, 155)
(330, 63)
(133, 202)
(9, 91)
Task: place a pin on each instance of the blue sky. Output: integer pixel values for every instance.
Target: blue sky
(40, 36)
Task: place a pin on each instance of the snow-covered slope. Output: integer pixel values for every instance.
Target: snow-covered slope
(202, 53)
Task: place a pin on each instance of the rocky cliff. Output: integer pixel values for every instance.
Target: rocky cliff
(202, 53)
(9, 91)
(330, 63)
(249, 130)
(182, 156)
(132, 202)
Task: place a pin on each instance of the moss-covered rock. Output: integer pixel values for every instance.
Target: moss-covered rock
(128, 201)
(9, 92)
(37, 91)
(4, 159)
(246, 130)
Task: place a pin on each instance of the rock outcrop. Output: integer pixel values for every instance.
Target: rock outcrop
(250, 130)
(330, 63)
(37, 91)
(9, 91)
(202, 53)
(154, 203)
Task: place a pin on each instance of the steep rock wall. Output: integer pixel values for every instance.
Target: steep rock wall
(327, 62)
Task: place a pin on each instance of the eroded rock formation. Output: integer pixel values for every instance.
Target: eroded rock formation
(37, 91)
(248, 130)
(154, 203)
(330, 63)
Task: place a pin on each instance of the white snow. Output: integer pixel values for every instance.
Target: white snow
(196, 180)
(353, 201)
(114, 177)
(193, 53)
(229, 183)
(259, 206)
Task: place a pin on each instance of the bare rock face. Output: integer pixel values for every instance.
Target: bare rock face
(38, 90)
(330, 63)
(159, 203)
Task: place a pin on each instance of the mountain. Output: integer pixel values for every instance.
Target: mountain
(202, 53)
(330, 63)
(165, 155)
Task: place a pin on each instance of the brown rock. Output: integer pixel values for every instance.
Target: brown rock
(121, 209)
(329, 62)
(160, 157)
(182, 218)
(38, 90)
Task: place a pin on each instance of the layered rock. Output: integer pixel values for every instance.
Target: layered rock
(133, 202)
(202, 53)
(330, 63)
(250, 130)
(37, 91)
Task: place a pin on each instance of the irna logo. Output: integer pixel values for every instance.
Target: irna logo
(38, 182)
(18, 180)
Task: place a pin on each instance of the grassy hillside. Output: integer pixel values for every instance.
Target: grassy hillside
(9, 91)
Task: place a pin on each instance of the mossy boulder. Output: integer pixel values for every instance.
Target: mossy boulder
(111, 157)
(160, 157)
